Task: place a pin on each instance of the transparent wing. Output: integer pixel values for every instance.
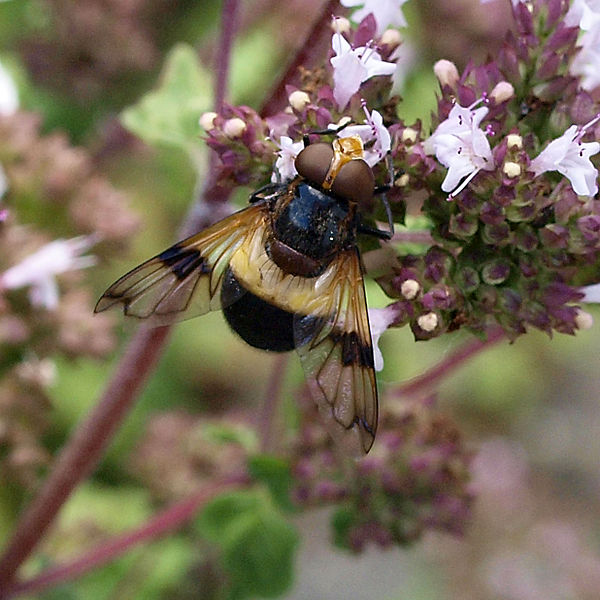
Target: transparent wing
(184, 280)
(336, 353)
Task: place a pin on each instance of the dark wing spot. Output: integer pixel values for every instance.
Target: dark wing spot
(182, 261)
(354, 350)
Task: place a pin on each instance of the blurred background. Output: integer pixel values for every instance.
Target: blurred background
(529, 411)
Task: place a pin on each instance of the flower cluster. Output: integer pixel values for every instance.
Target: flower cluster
(54, 215)
(415, 478)
(506, 180)
(519, 222)
(179, 453)
(360, 68)
(87, 47)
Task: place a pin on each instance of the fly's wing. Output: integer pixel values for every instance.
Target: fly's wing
(336, 353)
(184, 280)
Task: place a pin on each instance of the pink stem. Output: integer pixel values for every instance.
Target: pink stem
(309, 54)
(164, 522)
(424, 382)
(270, 406)
(86, 446)
(84, 449)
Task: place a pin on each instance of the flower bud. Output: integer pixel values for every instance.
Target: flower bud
(511, 169)
(495, 272)
(340, 25)
(428, 322)
(234, 128)
(410, 288)
(298, 99)
(402, 181)
(514, 141)
(502, 92)
(584, 320)
(409, 135)
(391, 37)
(446, 72)
(207, 120)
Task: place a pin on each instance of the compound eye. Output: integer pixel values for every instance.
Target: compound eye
(313, 162)
(354, 182)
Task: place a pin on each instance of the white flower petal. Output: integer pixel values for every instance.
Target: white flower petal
(379, 321)
(9, 97)
(591, 293)
(571, 158)
(460, 145)
(353, 66)
(39, 269)
(386, 12)
(285, 163)
(373, 131)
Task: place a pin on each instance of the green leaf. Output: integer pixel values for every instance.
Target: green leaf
(231, 433)
(260, 557)
(169, 115)
(258, 545)
(341, 522)
(220, 515)
(275, 473)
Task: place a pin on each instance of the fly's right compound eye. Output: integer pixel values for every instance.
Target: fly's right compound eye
(355, 182)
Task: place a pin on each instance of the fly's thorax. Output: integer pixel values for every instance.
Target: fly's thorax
(309, 228)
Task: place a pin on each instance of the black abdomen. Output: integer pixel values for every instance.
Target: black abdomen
(257, 322)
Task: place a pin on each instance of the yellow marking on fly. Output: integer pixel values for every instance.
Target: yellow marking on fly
(255, 270)
(344, 150)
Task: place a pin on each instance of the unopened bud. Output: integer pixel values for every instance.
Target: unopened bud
(446, 72)
(402, 181)
(511, 169)
(340, 24)
(391, 37)
(584, 320)
(410, 288)
(298, 99)
(409, 135)
(233, 128)
(502, 92)
(514, 141)
(428, 322)
(207, 120)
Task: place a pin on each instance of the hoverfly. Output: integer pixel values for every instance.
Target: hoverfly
(286, 272)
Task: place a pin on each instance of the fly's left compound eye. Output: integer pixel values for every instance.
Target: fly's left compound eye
(313, 162)
(354, 182)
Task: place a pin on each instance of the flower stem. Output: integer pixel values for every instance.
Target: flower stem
(229, 14)
(423, 383)
(164, 522)
(84, 449)
(86, 446)
(310, 53)
(413, 237)
(267, 417)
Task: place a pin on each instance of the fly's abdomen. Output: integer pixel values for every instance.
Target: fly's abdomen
(257, 322)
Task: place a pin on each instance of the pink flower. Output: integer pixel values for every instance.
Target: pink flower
(373, 131)
(353, 66)
(571, 157)
(38, 270)
(9, 97)
(285, 168)
(386, 12)
(459, 144)
(379, 321)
